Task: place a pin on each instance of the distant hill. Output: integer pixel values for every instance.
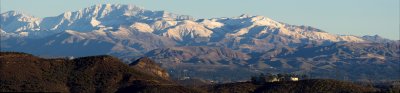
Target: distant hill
(20, 72)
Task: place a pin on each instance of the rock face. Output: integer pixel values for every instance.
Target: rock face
(146, 65)
(20, 72)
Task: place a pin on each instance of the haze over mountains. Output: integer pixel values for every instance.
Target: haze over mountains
(239, 45)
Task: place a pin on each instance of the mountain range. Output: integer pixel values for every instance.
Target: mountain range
(241, 45)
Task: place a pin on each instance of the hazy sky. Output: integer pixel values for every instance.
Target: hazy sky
(350, 17)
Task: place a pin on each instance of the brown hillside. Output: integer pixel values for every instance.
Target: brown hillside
(21, 72)
(146, 65)
(303, 86)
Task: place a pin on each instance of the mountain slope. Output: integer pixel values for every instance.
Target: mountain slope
(197, 55)
(21, 72)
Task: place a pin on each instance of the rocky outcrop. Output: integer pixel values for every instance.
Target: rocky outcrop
(146, 65)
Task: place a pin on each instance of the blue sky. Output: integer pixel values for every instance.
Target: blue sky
(349, 17)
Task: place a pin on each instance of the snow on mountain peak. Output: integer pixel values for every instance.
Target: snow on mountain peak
(188, 29)
(94, 22)
(67, 15)
(101, 11)
(14, 13)
(254, 20)
(351, 38)
(142, 27)
(262, 20)
(178, 27)
(13, 21)
(211, 23)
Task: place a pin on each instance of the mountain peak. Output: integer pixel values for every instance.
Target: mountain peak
(12, 12)
(102, 10)
(15, 21)
(179, 27)
(373, 36)
(15, 13)
(110, 6)
(253, 17)
(376, 38)
(245, 16)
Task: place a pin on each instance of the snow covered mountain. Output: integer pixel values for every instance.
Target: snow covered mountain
(130, 32)
(162, 23)
(377, 39)
(121, 25)
(84, 20)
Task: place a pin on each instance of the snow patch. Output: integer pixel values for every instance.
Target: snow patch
(142, 27)
(94, 22)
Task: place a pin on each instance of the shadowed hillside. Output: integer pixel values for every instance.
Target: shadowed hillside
(20, 72)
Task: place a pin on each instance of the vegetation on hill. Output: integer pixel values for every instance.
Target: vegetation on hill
(20, 72)
(302, 86)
